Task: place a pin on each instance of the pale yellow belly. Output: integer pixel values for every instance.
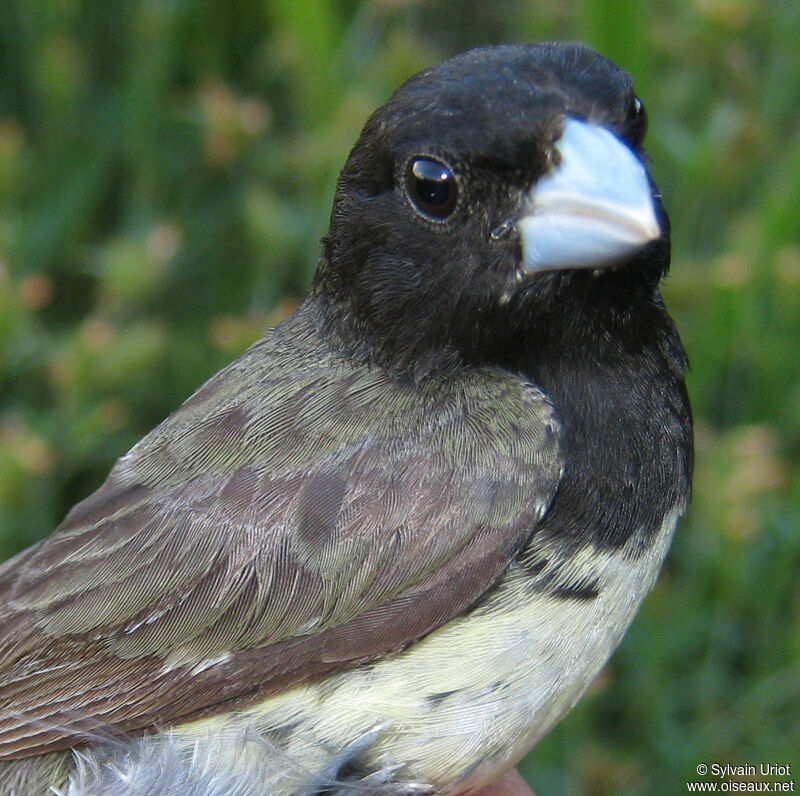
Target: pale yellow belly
(462, 705)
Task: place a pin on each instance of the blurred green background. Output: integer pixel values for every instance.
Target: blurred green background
(166, 172)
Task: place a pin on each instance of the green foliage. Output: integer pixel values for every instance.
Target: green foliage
(166, 170)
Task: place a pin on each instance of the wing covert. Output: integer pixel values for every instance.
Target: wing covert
(286, 521)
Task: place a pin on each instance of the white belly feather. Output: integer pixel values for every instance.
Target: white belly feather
(451, 712)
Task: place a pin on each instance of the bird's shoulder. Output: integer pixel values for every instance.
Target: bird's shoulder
(296, 504)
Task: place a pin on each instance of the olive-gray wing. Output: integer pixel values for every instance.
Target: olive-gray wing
(265, 535)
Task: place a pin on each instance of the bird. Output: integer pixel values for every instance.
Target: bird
(391, 545)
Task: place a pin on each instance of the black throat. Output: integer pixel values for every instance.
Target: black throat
(613, 365)
(604, 350)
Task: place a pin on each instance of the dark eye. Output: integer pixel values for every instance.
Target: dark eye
(432, 187)
(636, 121)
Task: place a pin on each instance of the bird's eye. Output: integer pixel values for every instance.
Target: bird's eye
(636, 121)
(432, 187)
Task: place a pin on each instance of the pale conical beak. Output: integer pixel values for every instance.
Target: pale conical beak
(592, 209)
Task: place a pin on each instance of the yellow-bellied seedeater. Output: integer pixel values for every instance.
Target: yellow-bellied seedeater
(387, 548)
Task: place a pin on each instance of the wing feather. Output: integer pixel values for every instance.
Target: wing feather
(288, 520)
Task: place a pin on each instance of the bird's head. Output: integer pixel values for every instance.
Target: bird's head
(490, 194)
